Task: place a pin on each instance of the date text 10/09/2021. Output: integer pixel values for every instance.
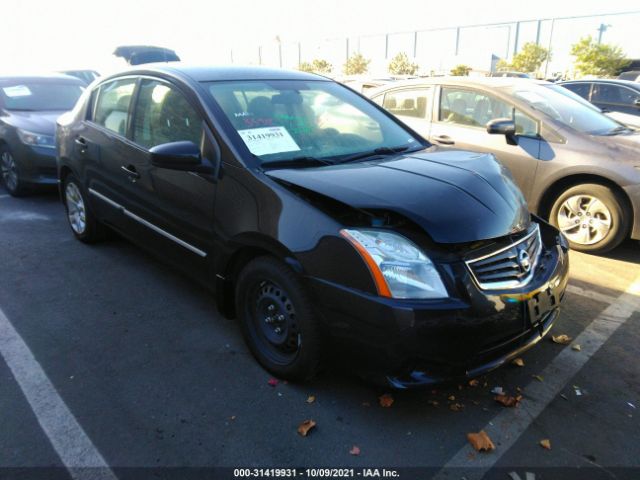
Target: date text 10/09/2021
(315, 472)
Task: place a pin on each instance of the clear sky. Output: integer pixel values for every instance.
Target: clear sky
(41, 35)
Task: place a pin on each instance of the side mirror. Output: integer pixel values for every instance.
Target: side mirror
(501, 126)
(176, 156)
(637, 102)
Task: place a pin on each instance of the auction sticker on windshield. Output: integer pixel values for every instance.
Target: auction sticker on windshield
(17, 91)
(266, 140)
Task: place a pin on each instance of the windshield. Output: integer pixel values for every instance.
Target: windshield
(40, 96)
(290, 120)
(562, 107)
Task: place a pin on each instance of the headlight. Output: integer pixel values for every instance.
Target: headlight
(399, 268)
(36, 139)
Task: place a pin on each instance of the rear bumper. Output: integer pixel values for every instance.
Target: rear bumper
(410, 343)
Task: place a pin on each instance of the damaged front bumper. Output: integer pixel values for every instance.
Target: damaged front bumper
(407, 343)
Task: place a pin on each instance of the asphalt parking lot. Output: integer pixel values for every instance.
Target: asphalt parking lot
(107, 342)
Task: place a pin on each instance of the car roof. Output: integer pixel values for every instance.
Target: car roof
(221, 72)
(627, 83)
(51, 78)
(481, 82)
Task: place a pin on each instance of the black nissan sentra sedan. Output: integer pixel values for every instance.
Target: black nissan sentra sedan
(327, 227)
(29, 107)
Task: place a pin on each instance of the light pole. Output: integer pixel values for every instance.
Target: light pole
(601, 29)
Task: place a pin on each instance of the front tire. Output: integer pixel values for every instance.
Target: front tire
(592, 217)
(84, 225)
(10, 173)
(277, 319)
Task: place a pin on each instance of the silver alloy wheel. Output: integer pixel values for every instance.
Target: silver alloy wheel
(9, 171)
(584, 219)
(75, 208)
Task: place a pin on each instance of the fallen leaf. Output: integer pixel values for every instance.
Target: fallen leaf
(311, 398)
(386, 400)
(433, 402)
(355, 450)
(546, 443)
(576, 347)
(518, 362)
(508, 400)
(540, 378)
(305, 427)
(233, 417)
(480, 441)
(451, 398)
(459, 387)
(561, 339)
(456, 407)
(474, 383)
(273, 382)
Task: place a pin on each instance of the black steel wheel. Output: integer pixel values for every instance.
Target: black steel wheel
(277, 319)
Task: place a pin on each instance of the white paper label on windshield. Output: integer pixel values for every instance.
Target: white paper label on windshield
(266, 140)
(17, 91)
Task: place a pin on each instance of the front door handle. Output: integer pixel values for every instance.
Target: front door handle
(444, 139)
(131, 171)
(82, 143)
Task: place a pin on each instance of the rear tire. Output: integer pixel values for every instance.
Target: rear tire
(278, 320)
(84, 224)
(593, 217)
(10, 173)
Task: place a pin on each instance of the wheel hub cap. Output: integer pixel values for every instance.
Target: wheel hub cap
(9, 171)
(75, 209)
(584, 219)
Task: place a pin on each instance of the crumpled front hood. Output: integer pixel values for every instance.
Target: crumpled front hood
(455, 196)
(36, 122)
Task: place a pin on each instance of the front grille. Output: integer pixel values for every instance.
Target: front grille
(508, 267)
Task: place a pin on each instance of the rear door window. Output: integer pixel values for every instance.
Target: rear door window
(581, 89)
(407, 103)
(112, 105)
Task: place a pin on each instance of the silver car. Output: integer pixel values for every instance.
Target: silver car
(576, 167)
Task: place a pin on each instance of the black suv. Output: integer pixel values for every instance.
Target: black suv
(315, 217)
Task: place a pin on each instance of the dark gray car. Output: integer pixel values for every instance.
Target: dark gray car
(609, 95)
(575, 166)
(29, 107)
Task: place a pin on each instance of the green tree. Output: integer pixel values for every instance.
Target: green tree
(356, 64)
(601, 59)
(318, 65)
(528, 59)
(400, 65)
(460, 70)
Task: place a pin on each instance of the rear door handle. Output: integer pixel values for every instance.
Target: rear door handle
(444, 139)
(131, 171)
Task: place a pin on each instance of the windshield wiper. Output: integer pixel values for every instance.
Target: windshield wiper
(618, 130)
(297, 162)
(373, 153)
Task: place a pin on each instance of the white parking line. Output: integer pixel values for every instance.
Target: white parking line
(507, 427)
(599, 297)
(71, 443)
